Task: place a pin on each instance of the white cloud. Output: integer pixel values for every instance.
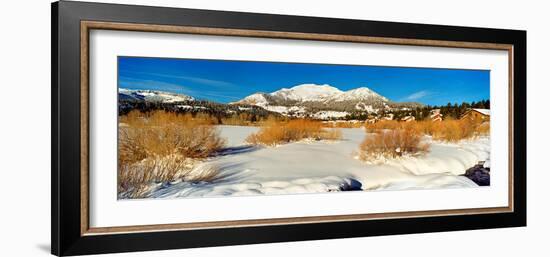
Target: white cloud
(200, 80)
(417, 95)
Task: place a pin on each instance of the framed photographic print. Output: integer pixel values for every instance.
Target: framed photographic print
(178, 128)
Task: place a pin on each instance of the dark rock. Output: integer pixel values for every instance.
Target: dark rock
(353, 185)
(479, 175)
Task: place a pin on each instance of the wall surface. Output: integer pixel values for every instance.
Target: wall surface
(25, 127)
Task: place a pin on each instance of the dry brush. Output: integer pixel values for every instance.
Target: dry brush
(277, 133)
(391, 139)
(162, 146)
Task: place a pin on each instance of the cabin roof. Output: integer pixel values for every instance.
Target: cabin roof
(483, 111)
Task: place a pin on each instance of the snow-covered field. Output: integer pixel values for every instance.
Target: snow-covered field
(324, 166)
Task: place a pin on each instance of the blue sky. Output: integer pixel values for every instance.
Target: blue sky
(228, 81)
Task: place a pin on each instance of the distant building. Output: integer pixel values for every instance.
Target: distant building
(435, 115)
(477, 114)
(408, 118)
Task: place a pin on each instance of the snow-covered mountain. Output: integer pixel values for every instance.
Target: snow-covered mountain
(316, 98)
(361, 94)
(152, 96)
(306, 100)
(314, 93)
(307, 93)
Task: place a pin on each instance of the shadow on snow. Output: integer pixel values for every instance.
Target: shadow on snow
(236, 150)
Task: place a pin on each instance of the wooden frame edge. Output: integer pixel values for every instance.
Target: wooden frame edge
(288, 221)
(286, 35)
(86, 26)
(84, 129)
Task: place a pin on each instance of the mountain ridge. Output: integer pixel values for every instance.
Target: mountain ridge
(316, 99)
(313, 93)
(152, 96)
(304, 100)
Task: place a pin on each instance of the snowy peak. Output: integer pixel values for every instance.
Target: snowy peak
(307, 92)
(362, 93)
(255, 99)
(312, 93)
(320, 101)
(152, 96)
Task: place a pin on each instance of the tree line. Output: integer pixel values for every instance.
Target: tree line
(449, 110)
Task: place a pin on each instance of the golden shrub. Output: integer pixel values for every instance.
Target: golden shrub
(449, 130)
(161, 133)
(135, 179)
(293, 130)
(455, 130)
(158, 147)
(383, 124)
(391, 144)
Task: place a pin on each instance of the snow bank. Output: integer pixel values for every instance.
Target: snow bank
(325, 166)
(294, 186)
(236, 135)
(447, 158)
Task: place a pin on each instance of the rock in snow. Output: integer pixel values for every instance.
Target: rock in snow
(479, 174)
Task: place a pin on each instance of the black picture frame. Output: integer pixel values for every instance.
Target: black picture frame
(66, 236)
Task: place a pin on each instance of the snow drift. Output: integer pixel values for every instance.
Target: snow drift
(323, 166)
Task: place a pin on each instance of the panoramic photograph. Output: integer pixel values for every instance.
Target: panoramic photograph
(192, 128)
